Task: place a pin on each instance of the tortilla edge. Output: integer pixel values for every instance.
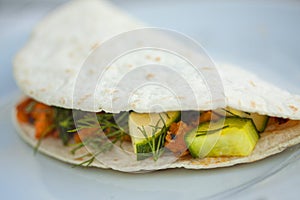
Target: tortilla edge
(187, 164)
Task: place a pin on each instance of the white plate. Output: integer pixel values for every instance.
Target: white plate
(37, 176)
(252, 34)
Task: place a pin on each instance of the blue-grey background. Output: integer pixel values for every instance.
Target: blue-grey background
(261, 36)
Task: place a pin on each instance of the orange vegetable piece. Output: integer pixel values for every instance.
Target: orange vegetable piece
(22, 115)
(175, 138)
(44, 119)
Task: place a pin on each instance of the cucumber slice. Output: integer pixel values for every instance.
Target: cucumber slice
(260, 121)
(148, 132)
(233, 136)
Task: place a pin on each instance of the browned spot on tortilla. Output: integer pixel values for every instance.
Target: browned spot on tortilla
(206, 68)
(115, 99)
(293, 108)
(62, 100)
(129, 65)
(149, 76)
(25, 82)
(204, 161)
(95, 46)
(110, 91)
(82, 99)
(180, 97)
(43, 89)
(207, 103)
(157, 59)
(221, 159)
(240, 103)
(253, 104)
(68, 70)
(133, 105)
(279, 108)
(148, 57)
(86, 96)
(91, 71)
(211, 160)
(137, 100)
(31, 92)
(252, 83)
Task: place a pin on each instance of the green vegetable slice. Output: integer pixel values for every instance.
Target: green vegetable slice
(233, 136)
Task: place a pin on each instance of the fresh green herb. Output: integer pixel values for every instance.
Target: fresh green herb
(156, 144)
(208, 132)
(64, 122)
(29, 108)
(235, 115)
(105, 131)
(36, 148)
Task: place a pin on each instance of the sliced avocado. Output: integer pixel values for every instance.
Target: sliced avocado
(148, 132)
(260, 121)
(233, 136)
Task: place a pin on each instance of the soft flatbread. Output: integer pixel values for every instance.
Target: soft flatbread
(274, 140)
(46, 69)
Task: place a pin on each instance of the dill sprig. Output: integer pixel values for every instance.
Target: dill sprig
(235, 115)
(63, 120)
(155, 143)
(105, 130)
(208, 132)
(37, 146)
(29, 108)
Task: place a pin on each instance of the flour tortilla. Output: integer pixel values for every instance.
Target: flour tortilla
(47, 68)
(274, 140)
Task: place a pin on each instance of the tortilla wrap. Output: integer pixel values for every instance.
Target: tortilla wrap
(47, 69)
(274, 140)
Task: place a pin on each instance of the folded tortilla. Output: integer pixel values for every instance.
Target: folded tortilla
(47, 69)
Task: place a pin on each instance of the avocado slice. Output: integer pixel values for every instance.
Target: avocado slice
(148, 130)
(260, 121)
(232, 136)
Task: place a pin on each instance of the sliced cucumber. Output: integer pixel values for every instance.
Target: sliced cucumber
(260, 121)
(233, 136)
(148, 132)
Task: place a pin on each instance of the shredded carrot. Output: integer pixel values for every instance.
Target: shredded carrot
(55, 133)
(175, 138)
(126, 138)
(41, 114)
(84, 134)
(41, 109)
(77, 138)
(22, 115)
(44, 119)
(208, 116)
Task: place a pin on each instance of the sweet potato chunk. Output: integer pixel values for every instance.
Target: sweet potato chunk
(175, 138)
(23, 116)
(43, 116)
